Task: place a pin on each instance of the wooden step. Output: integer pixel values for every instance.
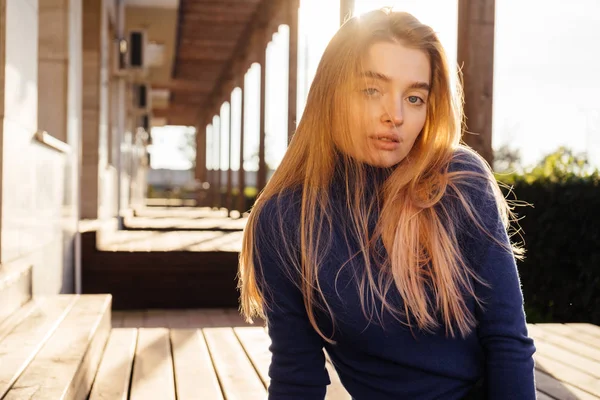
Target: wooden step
(58, 348)
(114, 374)
(15, 288)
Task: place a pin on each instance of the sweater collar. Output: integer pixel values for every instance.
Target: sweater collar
(347, 171)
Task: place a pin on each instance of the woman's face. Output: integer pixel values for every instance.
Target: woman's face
(388, 104)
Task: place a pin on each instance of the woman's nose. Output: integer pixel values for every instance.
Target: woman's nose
(393, 113)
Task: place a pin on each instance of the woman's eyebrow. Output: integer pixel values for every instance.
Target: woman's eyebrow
(420, 85)
(382, 77)
(377, 75)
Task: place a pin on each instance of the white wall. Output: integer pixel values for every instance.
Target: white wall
(38, 208)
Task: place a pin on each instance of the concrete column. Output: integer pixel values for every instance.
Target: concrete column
(53, 67)
(476, 20)
(94, 107)
(292, 22)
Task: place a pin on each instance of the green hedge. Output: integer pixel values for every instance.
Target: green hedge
(560, 274)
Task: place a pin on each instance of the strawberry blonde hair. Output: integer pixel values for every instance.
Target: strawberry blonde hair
(419, 232)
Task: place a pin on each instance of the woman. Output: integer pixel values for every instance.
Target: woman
(383, 240)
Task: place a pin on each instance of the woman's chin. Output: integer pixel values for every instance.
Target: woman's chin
(384, 159)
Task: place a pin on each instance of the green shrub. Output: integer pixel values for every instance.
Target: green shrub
(560, 274)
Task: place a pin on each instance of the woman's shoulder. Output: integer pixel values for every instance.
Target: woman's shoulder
(467, 160)
(471, 184)
(281, 208)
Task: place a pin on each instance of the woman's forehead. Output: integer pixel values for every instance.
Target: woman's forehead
(394, 62)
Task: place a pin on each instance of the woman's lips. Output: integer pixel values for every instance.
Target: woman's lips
(386, 141)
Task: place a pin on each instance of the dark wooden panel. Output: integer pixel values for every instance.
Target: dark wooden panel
(178, 279)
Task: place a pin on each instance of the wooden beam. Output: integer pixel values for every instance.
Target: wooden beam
(246, 8)
(184, 85)
(229, 199)
(216, 18)
(201, 151)
(476, 19)
(262, 14)
(346, 10)
(217, 43)
(241, 201)
(292, 22)
(183, 120)
(262, 60)
(193, 31)
(219, 180)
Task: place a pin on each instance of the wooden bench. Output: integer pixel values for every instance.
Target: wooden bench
(50, 348)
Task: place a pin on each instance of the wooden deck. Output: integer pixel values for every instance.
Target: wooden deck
(75, 348)
(215, 350)
(176, 229)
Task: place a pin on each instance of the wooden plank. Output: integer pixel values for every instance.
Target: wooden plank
(566, 374)
(590, 329)
(195, 375)
(114, 373)
(133, 319)
(117, 319)
(16, 318)
(217, 318)
(555, 389)
(543, 396)
(153, 367)
(198, 319)
(253, 340)
(238, 378)
(155, 319)
(262, 60)
(256, 342)
(565, 342)
(567, 357)
(65, 366)
(241, 200)
(22, 343)
(178, 319)
(567, 331)
(335, 391)
(15, 287)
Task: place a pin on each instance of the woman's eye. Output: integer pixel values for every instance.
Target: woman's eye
(415, 100)
(371, 91)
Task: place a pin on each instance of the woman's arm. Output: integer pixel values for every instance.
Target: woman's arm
(297, 369)
(502, 327)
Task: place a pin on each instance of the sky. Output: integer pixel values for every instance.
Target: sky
(546, 78)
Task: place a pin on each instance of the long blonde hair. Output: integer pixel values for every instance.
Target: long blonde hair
(417, 231)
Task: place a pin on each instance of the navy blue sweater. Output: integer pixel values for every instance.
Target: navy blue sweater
(387, 361)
